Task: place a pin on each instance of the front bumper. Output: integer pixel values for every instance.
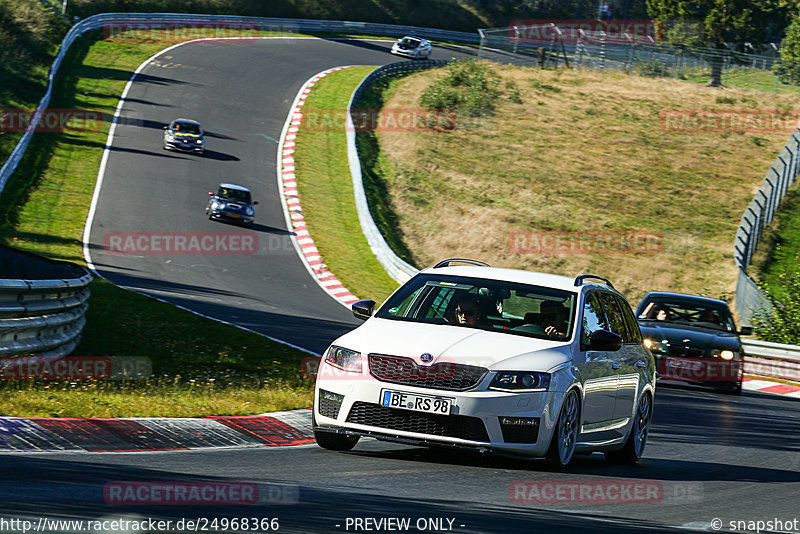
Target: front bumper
(231, 216)
(184, 147)
(474, 421)
(714, 372)
(406, 53)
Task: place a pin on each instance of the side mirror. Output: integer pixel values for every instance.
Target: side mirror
(211, 193)
(255, 203)
(605, 341)
(165, 127)
(746, 331)
(363, 309)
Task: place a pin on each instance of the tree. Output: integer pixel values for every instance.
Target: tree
(788, 66)
(717, 22)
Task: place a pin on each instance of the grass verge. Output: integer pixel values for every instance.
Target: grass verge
(326, 191)
(582, 155)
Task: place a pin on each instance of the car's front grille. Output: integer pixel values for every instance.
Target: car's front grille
(451, 426)
(684, 351)
(443, 375)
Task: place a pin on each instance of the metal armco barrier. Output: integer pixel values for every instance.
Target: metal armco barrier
(42, 311)
(398, 269)
(771, 359)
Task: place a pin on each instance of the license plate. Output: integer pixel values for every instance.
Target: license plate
(418, 403)
(684, 364)
(234, 215)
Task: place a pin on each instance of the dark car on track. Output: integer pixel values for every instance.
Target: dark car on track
(185, 135)
(693, 339)
(232, 203)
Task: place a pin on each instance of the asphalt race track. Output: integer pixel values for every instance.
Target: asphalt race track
(709, 456)
(241, 92)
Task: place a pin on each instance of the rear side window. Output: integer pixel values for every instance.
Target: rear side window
(593, 317)
(630, 321)
(616, 319)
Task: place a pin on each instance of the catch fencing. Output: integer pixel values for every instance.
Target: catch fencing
(600, 50)
(756, 218)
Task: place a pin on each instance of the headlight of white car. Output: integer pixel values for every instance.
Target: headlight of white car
(344, 359)
(170, 137)
(520, 381)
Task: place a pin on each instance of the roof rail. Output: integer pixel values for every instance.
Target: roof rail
(579, 279)
(448, 261)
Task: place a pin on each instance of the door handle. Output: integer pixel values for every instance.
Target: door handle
(615, 365)
(640, 363)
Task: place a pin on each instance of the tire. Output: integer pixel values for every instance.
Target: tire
(637, 439)
(331, 440)
(565, 435)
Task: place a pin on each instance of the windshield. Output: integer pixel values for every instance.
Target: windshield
(234, 194)
(186, 127)
(410, 41)
(687, 311)
(504, 307)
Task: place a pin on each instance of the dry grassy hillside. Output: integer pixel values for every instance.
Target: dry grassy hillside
(584, 158)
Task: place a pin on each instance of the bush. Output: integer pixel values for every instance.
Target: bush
(788, 65)
(650, 68)
(781, 323)
(468, 87)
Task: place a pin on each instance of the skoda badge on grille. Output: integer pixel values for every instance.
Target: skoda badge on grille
(426, 358)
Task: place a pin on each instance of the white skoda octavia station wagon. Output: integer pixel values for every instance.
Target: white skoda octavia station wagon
(494, 359)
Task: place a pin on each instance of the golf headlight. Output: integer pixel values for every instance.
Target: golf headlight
(656, 346)
(344, 359)
(199, 141)
(520, 381)
(724, 354)
(249, 211)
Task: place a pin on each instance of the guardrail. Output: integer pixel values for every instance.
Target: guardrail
(42, 314)
(115, 22)
(394, 265)
(775, 360)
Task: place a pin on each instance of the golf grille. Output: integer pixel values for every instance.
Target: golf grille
(444, 375)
